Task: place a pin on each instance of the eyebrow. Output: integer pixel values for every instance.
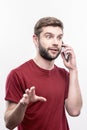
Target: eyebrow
(53, 34)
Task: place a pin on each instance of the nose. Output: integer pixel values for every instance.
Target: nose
(57, 42)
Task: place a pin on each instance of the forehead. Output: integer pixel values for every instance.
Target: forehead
(51, 29)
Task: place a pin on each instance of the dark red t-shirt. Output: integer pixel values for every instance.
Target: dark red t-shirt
(51, 84)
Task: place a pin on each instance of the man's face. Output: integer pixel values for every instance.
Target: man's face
(50, 42)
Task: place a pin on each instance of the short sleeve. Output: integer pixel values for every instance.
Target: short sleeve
(14, 90)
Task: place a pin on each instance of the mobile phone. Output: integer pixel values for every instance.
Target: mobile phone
(66, 55)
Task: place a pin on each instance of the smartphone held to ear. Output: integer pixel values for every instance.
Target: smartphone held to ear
(66, 55)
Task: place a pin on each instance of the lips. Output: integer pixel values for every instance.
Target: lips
(53, 49)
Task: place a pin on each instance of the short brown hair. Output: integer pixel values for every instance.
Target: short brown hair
(46, 21)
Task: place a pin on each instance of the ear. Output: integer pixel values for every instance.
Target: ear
(35, 40)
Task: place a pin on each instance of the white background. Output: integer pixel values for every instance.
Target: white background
(17, 19)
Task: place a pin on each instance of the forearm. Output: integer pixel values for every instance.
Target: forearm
(13, 117)
(74, 94)
(15, 112)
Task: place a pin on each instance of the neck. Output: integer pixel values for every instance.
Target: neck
(43, 63)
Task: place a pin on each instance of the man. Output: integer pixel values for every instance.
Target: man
(38, 91)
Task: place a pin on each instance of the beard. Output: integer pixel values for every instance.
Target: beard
(46, 55)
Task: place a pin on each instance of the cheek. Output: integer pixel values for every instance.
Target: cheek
(44, 43)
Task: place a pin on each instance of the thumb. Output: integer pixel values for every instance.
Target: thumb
(41, 98)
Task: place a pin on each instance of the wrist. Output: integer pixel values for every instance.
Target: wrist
(73, 69)
(73, 72)
(22, 104)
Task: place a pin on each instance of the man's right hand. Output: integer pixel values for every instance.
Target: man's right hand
(30, 97)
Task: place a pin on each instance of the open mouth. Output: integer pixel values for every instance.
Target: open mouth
(55, 50)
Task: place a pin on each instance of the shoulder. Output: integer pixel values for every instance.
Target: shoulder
(61, 70)
(19, 70)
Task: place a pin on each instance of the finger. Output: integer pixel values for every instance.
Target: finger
(32, 91)
(27, 91)
(25, 95)
(41, 98)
